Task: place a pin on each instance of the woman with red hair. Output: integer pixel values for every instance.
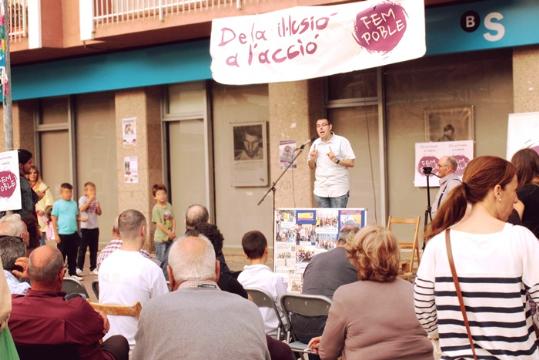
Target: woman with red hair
(476, 270)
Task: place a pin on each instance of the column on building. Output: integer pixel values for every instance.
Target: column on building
(144, 106)
(526, 79)
(293, 110)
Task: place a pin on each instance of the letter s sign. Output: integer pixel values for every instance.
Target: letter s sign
(492, 23)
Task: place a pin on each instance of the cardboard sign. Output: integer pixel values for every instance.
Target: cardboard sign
(312, 41)
(522, 132)
(428, 155)
(10, 186)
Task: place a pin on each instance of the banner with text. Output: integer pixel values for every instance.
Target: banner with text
(428, 154)
(10, 189)
(311, 41)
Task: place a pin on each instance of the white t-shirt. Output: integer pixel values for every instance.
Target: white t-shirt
(90, 214)
(495, 272)
(127, 277)
(331, 179)
(261, 277)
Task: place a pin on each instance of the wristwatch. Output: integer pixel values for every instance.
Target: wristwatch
(338, 161)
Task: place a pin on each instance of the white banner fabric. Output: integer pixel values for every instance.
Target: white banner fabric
(312, 41)
(428, 154)
(522, 132)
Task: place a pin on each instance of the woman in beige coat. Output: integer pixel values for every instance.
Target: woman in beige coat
(373, 318)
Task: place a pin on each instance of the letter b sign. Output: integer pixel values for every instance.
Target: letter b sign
(470, 21)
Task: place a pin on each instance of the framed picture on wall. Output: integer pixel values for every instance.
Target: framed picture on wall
(449, 124)
(250, 155)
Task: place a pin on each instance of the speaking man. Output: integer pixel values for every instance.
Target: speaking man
(330, 156)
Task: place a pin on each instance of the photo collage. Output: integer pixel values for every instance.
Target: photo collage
(301, 234)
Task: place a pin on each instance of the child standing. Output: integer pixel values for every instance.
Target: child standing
(163, 218)
(64, 220)
(90, 209)
(49, 228)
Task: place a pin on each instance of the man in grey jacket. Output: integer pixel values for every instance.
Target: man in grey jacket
(447, 166)
(197, 320)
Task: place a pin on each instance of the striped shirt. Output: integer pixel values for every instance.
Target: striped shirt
(495, 272)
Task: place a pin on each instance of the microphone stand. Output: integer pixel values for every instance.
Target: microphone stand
(273, 188)
(428, 211)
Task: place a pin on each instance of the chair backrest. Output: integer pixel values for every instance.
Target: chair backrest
(264, 300)
(305, 305)
(119, 310)
(260, 297)
(72, 286)
(57, 352)
(413, 244)
(95, 288)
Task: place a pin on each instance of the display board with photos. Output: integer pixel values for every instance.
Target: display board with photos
(301, 234)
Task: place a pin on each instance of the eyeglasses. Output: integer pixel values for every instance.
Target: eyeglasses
(441, 165)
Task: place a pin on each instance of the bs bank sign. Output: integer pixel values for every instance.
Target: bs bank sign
(482, 25)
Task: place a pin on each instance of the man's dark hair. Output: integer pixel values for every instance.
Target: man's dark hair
(11, 248)
(157, 187)
(24, 156)
(196, 214)
(324, 118)
(66, 186)
(213, 234)
(449, 127)
(129, 222)
(254, 244)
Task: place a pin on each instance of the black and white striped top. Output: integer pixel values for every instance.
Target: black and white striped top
(495, 273)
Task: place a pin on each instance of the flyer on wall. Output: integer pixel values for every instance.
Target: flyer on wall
(131, 169)
(129, 131)
(301, 234)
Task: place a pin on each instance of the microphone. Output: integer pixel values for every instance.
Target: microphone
(305, 144)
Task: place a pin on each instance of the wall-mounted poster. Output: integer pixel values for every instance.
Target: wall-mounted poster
(10, 193)
(522, 132)
(131, 169)
(286, 153)
(129, 131)
(449, 124)
(301, 234)
(250, 164)
(428, 155)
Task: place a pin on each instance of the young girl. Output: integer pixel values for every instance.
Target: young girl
(48, 222)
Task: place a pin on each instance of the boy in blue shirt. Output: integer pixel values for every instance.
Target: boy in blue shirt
(64, 221)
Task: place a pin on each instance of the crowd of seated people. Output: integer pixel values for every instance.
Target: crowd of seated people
(204, 311)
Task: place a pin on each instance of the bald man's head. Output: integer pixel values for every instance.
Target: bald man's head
(195, 215)
(44, 266)
(192, 258)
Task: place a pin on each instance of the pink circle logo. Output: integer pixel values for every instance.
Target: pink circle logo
(462, 161)
(8, 183)
(381, 27)
(427, 161)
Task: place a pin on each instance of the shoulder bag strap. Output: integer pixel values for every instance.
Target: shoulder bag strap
(459, 292)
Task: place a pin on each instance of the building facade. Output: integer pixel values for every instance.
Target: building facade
(95, 66)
